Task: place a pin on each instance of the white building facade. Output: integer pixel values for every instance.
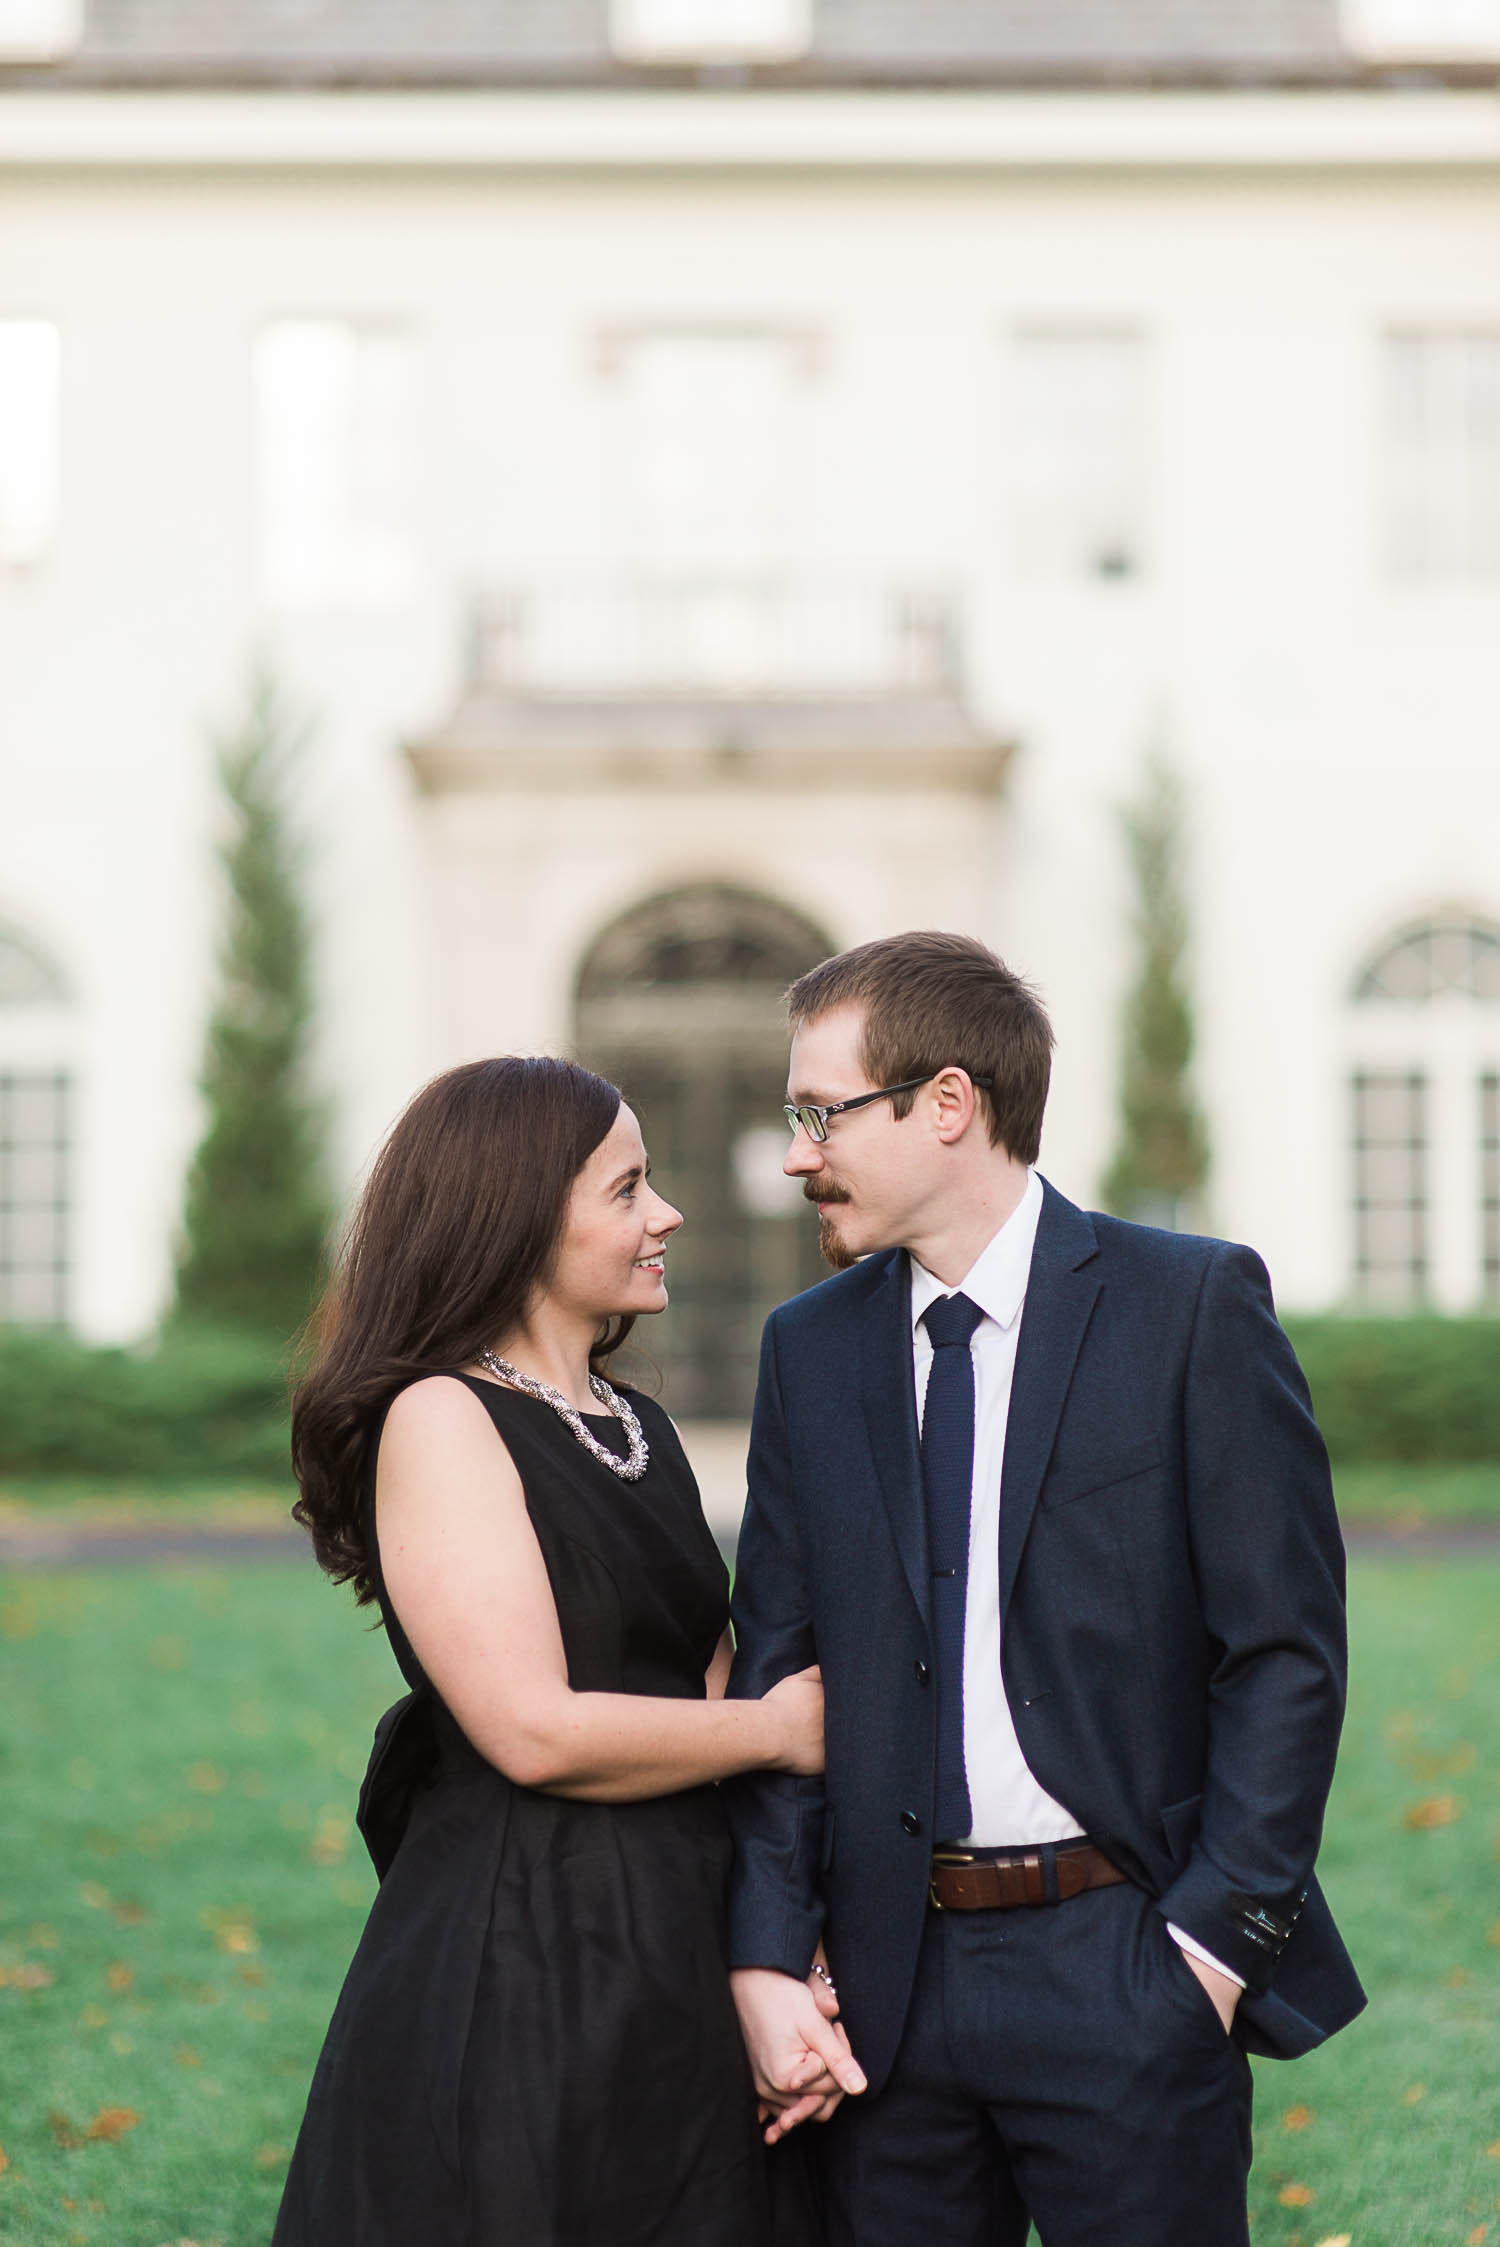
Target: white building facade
(719, 504)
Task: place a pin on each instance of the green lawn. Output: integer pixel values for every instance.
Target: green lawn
(180, 1891)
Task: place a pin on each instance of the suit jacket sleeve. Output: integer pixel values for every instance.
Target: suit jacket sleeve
(775, 1914)
(1270, 1569)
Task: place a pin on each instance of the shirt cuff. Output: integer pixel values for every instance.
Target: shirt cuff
(1186, 1943)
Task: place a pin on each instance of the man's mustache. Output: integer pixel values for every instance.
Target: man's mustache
(823, 1190)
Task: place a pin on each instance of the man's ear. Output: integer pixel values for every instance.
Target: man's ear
(953, 1096)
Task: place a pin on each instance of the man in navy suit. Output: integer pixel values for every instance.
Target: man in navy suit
(1042, 1493)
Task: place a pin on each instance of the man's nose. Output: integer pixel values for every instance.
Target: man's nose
(804, 1157)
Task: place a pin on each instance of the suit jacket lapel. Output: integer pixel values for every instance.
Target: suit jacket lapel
(888, 1395)
(1060, 1297)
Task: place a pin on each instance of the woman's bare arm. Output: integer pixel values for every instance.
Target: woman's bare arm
(466, 1577)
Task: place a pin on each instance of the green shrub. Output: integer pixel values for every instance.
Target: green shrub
(202, 1404)
(1420, 1388)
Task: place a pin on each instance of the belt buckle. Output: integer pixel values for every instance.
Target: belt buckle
(946, 1857)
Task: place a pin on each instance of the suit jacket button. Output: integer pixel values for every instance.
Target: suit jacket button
(920, 1672)
(910, 1822)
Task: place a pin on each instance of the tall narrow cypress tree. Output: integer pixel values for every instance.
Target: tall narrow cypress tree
(257, 1208)
(1161, 1159)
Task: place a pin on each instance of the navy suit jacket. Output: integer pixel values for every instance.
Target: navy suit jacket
(1172, 1597)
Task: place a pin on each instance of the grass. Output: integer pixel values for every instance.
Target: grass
(180, 1891)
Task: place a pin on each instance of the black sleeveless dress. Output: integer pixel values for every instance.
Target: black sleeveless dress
(536, 2044)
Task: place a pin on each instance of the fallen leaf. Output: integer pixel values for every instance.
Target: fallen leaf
(1493, 2149)
(29, 1975)
(1296, 2118)
(1336, 2239)
(187, 2057)
(4, 2161)
(63, 2132)
(122, 2043)
(1492, 1934)
(94, 1896)
(44, 1938)
(207, 1778)
(231, 1930)
(254, 1975)
(119, 1977)
(1414, 2094)
(256, 2011)
(1433, 1810)
(1296, 2196)
(1478, 2236)
(270, 2157)
(330, 1842)
(94, 2017)
(127, 1913)
(111, 2124)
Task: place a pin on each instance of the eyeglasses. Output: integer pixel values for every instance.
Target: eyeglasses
(814, 1120)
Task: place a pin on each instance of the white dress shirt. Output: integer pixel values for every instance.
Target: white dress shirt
(1010, 1808)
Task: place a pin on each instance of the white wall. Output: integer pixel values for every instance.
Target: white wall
(1338, 735)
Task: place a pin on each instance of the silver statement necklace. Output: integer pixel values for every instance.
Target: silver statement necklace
(629, 1469)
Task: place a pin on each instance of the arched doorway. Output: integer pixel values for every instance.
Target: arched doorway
(677, 1001)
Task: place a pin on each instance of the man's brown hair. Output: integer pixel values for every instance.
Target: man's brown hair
(935, 1001)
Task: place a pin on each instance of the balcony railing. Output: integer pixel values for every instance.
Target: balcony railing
(707, 635)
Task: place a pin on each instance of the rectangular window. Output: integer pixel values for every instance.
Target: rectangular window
(34, 1159)
(39, 30)
(1422, 30)
(707, 449)
(1390, 1188)
(709, 433)
(1442, 454)
(1489, 1184)
(1077, 435)
(337, 459)
(710, 30)
(30, 381)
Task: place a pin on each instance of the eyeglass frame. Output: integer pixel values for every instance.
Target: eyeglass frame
(809, 1116)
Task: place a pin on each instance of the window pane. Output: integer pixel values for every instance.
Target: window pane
(710, 30)
(1430, 30)
(1442, 453)
(337, 462)
(34, 1211)
(1076, 445)
(1390, 1187)
(1489, 1183)
(30, 371)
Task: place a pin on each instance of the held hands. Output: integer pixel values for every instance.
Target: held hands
(795, 1708)
(799, 2055)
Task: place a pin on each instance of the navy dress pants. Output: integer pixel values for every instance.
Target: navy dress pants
(1062, 2067)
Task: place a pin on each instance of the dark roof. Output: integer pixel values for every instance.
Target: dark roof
(856, 43)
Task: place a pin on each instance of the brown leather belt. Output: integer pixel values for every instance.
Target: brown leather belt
(964, 1880)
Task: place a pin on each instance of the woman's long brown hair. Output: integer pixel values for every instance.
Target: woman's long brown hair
(454, 1233)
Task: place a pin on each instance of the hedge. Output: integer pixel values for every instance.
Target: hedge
(203, 1405)
(1409, 1389)
(214, 1405)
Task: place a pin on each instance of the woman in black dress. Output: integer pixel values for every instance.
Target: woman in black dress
(535, 2045)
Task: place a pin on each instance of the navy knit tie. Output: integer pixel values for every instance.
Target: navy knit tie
(948, 1479)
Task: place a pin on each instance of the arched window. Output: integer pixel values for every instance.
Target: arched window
(36, 1103)
(679, 1002)
(1425, 1115)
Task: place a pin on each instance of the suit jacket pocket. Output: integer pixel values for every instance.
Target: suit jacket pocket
(1179, 1822)
(1073, 1478)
